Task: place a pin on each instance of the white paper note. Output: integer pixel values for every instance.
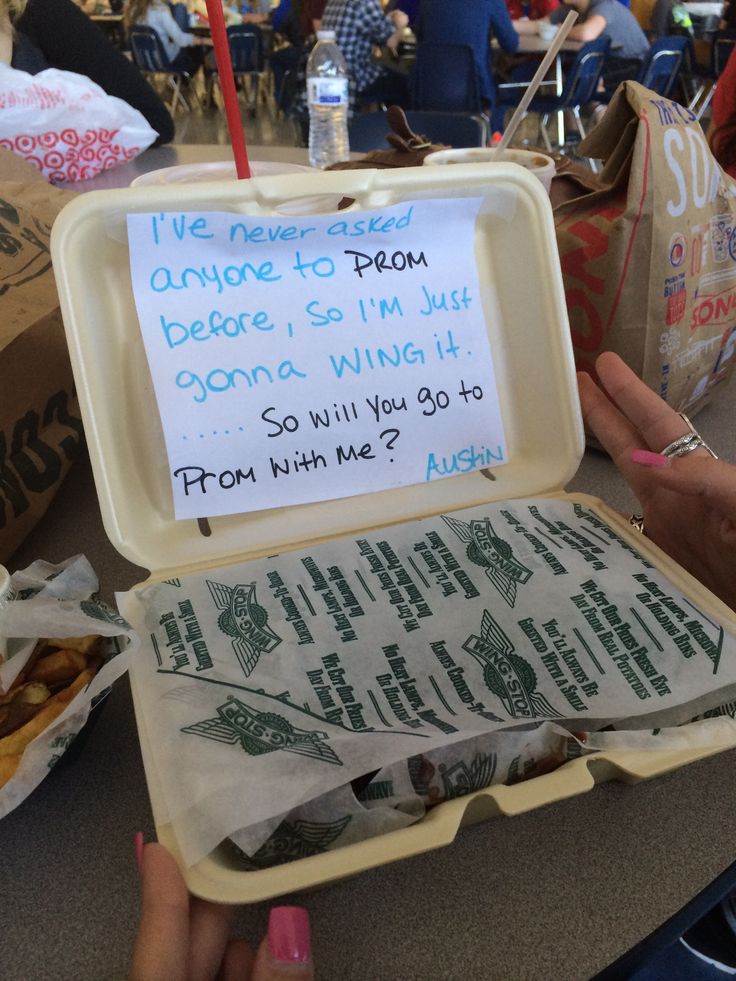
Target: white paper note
(304, 359)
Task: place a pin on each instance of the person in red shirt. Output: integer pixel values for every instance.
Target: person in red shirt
(722, 129)
(533, 9)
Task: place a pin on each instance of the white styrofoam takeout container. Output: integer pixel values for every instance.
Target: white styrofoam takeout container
(516, 255)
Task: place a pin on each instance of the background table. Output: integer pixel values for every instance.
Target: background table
(557, 893)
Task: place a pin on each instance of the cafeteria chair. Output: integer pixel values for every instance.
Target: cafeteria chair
(249, 64)
(579, 89)
(661, 67)
(368, 130)
(723, 44)
(150, 57)
(444, 79)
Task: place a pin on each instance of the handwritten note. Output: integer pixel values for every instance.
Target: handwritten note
(304, 359)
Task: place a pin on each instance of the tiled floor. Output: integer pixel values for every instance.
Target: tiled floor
(210, 126)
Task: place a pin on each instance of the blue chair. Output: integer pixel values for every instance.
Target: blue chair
(580, 88)
(444, 79)
(661, 68)
(153, 63)
(368, 130)
(249, 63)
(724, 43)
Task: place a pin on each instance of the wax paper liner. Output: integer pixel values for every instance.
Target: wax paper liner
(58, 601)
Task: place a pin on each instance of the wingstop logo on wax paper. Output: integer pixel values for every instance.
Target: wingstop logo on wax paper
(492, 554)
(245, 621)
(509, 676)
(262, 732)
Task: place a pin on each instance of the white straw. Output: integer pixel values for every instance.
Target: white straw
(536, 81)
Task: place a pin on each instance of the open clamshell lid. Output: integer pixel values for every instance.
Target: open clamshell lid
(524, 310)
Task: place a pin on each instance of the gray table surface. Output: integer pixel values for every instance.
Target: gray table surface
(557, 893)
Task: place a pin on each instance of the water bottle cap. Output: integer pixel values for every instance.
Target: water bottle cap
(326, 35)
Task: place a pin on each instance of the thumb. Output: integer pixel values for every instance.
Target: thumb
(286, 952)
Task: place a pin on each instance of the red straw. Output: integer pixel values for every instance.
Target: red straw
(227, 83)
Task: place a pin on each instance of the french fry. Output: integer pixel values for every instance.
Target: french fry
(58, 667)
(26, 703)
(82, 644)
(8, 766)
(17, 741)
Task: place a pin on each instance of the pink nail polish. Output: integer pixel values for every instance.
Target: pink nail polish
(288, 935)
(139, 851)
(648, 459)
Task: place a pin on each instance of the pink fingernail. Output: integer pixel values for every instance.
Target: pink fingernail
(139, 851)
(288, 935)
(648, 459)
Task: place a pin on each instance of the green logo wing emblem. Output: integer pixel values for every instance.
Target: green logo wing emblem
(262, 732)
(245, 621)
(293, 840)
(510, 677)
(461, 779)
(492, 554)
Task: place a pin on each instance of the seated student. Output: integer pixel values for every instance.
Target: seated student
(360, 26)
(669, 17)
(460, 22)
(184, 51)
(38, 34)
(295, 24)
(608, 18)
(409, 7)
(231, 14)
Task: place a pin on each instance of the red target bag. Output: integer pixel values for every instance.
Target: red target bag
(66, 125)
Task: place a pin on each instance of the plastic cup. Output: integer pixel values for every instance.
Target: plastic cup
(224, 170)
(538, 164)
(547, 31)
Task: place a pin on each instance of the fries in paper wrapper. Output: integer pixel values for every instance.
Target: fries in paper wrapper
(63, 649)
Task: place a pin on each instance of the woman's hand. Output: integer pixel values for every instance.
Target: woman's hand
(688, 502)
(181, 938)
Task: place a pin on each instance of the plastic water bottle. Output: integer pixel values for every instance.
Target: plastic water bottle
(327, 96)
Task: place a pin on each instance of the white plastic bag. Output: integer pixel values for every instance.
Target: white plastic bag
(66, 125)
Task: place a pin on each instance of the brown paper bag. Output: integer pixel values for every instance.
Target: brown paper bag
(40, 429)
(649, 259)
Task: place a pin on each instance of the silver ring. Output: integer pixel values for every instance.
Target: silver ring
(683, 445)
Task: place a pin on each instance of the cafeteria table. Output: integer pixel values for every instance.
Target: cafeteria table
(555, 894)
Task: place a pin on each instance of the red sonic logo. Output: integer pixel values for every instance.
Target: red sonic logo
(718, 309)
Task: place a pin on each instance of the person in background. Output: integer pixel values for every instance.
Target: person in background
(611, 19)
(359, 26)
(230, 11)
(409, 7)
(722, 127)
(296, 26)
(472, 24)
(94, 6)
(185, 939)
(39, 34)
(531, 9)
(669, 17)
(185, 51)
